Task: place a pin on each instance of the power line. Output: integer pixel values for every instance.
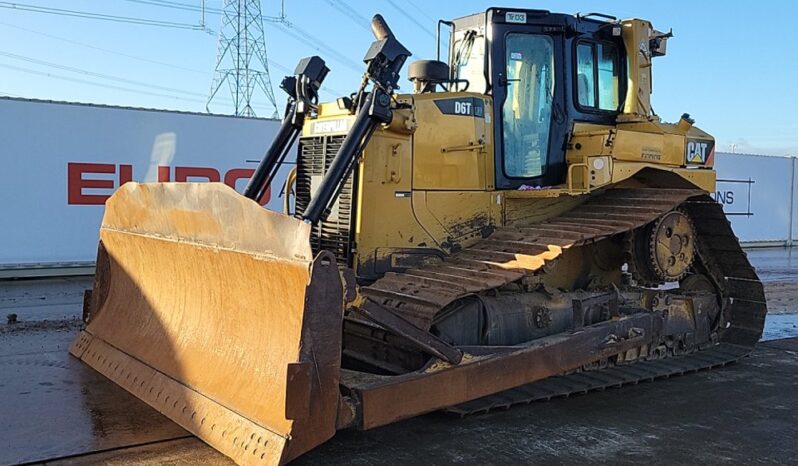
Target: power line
(83, 81)
(106, 77)
(97, 75)
(281, 22)
(107, 86)
(289, 28)
(422, 11)
(176, 6)
(98, 16)
(410, 17)
(308, 39)
(277, 65)
(94, 47)
(350, 13)
(190, 7)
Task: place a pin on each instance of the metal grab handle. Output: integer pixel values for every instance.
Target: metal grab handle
(586, 177)
(466, 148)
(290, 182)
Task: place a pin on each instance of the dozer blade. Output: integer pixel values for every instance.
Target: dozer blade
(212, 310)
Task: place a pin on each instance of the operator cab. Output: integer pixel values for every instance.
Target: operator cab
(545, 72)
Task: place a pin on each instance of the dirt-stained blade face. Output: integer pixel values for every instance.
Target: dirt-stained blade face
(209, 308)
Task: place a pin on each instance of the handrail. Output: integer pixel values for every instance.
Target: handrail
(586, 177)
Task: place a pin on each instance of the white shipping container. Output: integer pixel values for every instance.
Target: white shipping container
(758, 196)
(60, 161)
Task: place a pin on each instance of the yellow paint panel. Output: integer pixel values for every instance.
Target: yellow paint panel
(385, 217)
(450, 151)
(459, 217)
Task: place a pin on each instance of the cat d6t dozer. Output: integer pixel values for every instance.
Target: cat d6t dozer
(521, 226)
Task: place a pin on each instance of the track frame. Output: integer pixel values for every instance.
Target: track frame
(481, 380)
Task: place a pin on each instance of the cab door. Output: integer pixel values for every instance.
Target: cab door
(529, 88)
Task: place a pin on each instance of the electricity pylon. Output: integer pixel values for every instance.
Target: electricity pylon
(241, 61)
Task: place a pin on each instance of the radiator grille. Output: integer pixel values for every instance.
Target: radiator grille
(334, 233)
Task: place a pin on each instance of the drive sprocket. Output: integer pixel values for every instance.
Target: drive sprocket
(664, 250)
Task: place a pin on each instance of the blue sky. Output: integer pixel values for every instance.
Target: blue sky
(732, 65)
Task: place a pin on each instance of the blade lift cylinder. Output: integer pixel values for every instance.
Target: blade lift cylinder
(302, 90)
(384, 61)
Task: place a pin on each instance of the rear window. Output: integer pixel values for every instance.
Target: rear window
(597, 76)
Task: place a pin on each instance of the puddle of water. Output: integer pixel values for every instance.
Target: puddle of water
(780, 326)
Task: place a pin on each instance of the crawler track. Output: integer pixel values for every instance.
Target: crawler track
(611, 377)
(511, 254)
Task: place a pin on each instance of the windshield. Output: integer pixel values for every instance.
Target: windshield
(527, 107)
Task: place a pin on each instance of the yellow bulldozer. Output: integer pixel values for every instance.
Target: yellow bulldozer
(521, 226)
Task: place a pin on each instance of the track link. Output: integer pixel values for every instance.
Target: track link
(613, 377)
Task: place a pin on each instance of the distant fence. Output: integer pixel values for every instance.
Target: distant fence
(758, 194)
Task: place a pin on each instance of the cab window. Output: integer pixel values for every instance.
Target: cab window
(468, 61)
(597, 76)
(527, 108)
